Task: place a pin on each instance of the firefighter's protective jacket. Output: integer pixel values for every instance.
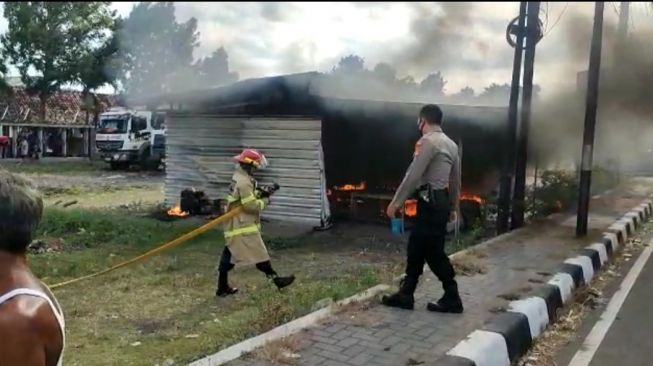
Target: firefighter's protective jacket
(243, 232)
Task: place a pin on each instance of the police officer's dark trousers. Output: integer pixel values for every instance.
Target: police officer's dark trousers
(426, 243)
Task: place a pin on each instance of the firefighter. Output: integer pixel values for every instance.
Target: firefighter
(244, 244)
(434, 178)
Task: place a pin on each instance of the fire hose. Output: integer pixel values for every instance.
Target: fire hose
(169, 245)
(264, 191)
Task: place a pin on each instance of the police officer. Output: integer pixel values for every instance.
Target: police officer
(244, 244)
(434, 176)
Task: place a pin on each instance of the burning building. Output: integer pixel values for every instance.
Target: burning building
(333, 157)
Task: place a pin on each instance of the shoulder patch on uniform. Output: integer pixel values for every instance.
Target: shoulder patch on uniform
(418, 147)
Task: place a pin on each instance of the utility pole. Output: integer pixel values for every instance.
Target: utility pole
(590, 121)
(533, 36)
(622, 33)
(624, 15)
(508, 169)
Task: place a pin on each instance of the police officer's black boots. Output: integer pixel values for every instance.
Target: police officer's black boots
(450, 301)
(404, 298)
(224, 289)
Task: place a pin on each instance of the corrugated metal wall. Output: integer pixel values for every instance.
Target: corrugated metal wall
(200, 150)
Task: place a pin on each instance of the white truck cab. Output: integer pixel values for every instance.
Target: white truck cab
(125, 137)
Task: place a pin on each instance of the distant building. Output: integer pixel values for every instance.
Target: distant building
(66, 118)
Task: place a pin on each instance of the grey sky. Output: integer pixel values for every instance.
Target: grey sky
(465, 41)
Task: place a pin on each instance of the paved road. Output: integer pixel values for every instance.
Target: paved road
(622, 332)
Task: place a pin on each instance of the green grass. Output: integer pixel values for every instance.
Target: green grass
(167, 303)
(467, 239)
(75, 167)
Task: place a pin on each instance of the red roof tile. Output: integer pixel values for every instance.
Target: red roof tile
(65, 107)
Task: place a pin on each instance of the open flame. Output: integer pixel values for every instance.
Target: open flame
(176, 211)
(352, 187)
(410, 208)
(471, 197)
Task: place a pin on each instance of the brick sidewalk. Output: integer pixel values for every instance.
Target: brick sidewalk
(515, 264)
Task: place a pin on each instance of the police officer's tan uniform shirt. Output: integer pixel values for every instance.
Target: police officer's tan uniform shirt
(436, 161)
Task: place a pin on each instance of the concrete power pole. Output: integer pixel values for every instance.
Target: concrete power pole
(590, 121)
(624, 14)
(508, 169)
(533, 31)
(622, 33)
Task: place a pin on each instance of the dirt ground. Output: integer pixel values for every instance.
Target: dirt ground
(94, 186)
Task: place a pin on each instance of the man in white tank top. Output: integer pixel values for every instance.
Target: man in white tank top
(31, 321)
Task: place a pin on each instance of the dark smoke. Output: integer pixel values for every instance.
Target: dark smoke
(438, 35)
(624, 129)
(578, 31)
(271, 11)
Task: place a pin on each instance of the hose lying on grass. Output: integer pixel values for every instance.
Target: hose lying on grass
(169, 245)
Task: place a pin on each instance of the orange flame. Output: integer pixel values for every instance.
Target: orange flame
(471, 197)
(352, 187)
(176, 211)
(410, 208)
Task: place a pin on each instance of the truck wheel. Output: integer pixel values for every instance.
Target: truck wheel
(150, 164)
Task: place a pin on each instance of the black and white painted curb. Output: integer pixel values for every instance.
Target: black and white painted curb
(509, 335)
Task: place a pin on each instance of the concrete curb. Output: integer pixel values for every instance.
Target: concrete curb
(508, 336)
(285, 330)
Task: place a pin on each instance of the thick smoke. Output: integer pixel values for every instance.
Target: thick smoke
(439, 35)
(624, 128)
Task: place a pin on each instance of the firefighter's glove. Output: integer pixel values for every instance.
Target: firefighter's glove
(267, 191)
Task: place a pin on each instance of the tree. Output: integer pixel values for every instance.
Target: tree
(467, 92)
(94, 71)
(214, 70)
(44, 40)
(408, 83)
(496, 94)
(433, 84)
(465, 95)
(4, 86)
(350, 65)
(385, 73)
(156, 52)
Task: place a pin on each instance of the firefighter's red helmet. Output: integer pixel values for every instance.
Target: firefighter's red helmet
(252, 156)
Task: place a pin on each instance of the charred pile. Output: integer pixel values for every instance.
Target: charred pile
(194, 203)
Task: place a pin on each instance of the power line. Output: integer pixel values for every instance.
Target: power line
(557, 20)
(614, 7)
(631, 19)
